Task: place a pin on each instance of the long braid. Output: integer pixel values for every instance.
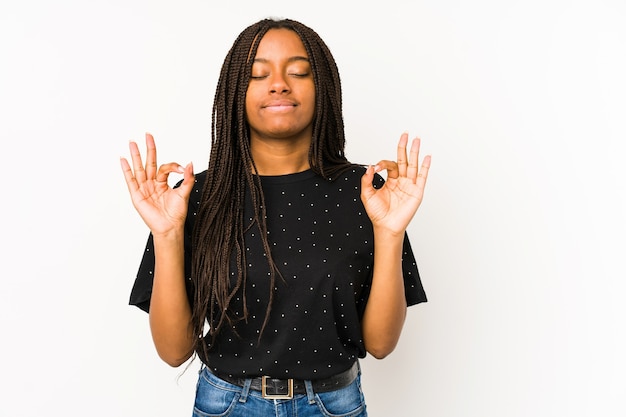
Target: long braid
(220, 225)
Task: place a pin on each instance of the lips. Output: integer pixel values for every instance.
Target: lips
(280, 105)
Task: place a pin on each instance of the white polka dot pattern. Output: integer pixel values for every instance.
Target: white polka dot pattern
(321, 240)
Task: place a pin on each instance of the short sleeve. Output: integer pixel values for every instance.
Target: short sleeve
(142, 288)
(413, 289)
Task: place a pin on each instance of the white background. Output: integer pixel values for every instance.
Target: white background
(520, 239)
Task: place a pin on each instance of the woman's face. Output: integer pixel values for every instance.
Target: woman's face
(280, 100)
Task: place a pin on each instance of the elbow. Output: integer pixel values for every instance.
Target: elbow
(174, 360)
(381, 351)
(381, 343)
(173, 347)
(174, 364)
(172, 355)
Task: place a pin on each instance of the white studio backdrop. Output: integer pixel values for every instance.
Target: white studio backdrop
(520, 239)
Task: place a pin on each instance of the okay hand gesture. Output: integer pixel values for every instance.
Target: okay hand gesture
(161, 207)
(393, 205)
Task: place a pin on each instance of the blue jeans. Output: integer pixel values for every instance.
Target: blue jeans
(215, 397)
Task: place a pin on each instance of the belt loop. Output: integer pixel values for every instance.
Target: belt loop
(309, 391)
(245, 391)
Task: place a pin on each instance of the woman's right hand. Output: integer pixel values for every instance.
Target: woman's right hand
(161, 207)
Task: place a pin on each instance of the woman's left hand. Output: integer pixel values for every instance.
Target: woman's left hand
(393, 206)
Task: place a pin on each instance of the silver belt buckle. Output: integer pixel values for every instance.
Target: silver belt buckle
(287, 396)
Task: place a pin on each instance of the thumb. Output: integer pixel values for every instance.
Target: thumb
(188, 180)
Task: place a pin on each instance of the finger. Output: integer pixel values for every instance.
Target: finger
(131, 182)
(392, 168)
(423, 173)
(188, 177)
(401, 157)
(188, 182)
(151, 164)
(139, 172)
(411, 172)
(165, 170)
(367, 187)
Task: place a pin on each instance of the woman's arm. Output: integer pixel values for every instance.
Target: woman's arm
(170, 313)
(386, 307)
(164, 211)
(390, 209)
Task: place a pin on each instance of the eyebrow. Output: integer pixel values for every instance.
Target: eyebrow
(290, 59)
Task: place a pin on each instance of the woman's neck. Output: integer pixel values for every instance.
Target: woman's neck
(280, 157)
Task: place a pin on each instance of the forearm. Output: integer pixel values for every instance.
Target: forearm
(170, 313)
(386, 307)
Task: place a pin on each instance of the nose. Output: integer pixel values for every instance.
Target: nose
(278, 84)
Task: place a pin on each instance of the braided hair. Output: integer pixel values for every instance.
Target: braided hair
(219, 226)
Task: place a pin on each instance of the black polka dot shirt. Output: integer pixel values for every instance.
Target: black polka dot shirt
(321, 240)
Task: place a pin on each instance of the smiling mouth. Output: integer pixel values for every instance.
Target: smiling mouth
(280, 107)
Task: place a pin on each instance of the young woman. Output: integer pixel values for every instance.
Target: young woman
(283, 263)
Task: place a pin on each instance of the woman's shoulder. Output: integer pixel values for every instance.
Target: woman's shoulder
(354, 172)
(347, 172)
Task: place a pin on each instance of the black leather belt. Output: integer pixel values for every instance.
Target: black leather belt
(275, 388)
